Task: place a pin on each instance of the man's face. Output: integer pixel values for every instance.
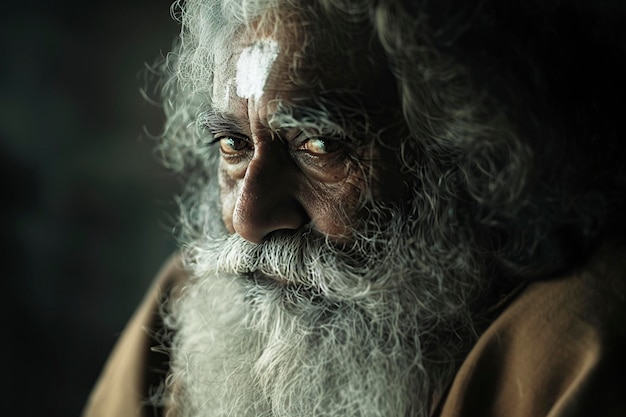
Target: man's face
(361, 267)
(286, 161)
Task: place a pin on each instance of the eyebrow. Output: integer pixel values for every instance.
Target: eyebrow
(326, 118)
(312, 116)
(286, 117)
(218, 121)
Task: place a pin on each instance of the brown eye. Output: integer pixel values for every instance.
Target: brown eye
(319, 146)
(233, 145)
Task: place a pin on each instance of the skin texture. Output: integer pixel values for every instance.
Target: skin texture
(284, 178)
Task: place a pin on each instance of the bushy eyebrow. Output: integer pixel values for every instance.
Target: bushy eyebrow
(286, 117)
(315, 117)
(220, 121)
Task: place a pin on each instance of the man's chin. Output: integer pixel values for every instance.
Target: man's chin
(273, 341)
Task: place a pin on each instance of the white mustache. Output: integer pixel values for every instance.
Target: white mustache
(374, 261)
(299, 258)
(286, 255)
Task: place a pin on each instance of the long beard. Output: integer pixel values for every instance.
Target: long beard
(297, 326)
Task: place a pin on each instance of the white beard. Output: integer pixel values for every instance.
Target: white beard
(327, 341)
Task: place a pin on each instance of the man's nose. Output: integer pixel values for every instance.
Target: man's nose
(267, 199)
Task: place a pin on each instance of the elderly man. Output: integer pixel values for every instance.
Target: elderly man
(395, 208)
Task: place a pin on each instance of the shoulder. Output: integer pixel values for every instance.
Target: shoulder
(556, 350)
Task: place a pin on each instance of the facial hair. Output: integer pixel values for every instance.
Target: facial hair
(299, 326)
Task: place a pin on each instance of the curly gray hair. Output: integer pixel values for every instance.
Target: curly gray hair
(489, 143)
(502, 159)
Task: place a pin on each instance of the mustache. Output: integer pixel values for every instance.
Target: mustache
(299, 258)
(285, 255)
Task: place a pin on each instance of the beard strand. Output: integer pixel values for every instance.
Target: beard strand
(299, 326)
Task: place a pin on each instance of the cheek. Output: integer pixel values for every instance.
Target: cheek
(339, 208)
(229, 190)
(334, 208)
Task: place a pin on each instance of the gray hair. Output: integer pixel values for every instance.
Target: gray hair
(490, 159)
(499, 194)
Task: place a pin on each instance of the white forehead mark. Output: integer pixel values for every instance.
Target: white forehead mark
(253, 68)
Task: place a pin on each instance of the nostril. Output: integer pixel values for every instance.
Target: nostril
(255, 218)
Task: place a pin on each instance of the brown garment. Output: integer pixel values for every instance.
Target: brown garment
(557, 350)
(135, 364)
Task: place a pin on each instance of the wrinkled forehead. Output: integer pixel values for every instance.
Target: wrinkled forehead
(255, 56)
(291, 52)
(254, 59)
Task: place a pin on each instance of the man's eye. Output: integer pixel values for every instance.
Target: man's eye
(233, 145)
(319, 146)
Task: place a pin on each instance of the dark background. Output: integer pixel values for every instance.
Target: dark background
(86, 208)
